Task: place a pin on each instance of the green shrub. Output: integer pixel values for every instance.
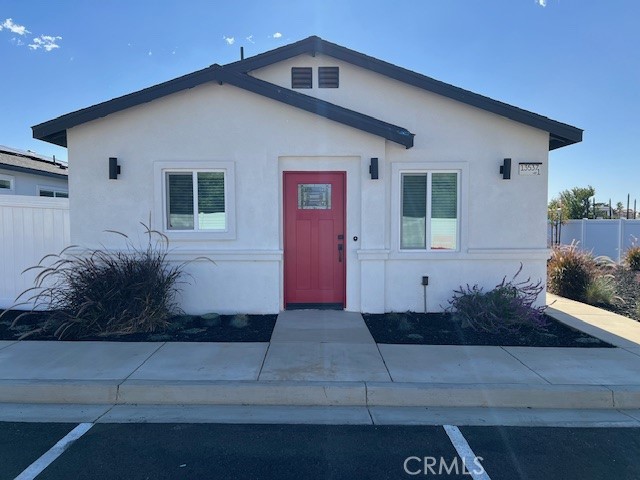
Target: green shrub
(601, 290)
(508, 307)
(570, 271)
(104, 292)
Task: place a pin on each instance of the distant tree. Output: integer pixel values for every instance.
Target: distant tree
(574, 203)
(554, 211)
(619, 209)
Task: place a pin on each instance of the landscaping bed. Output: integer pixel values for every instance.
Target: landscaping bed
(627, 290)
(182, 328)
(441, 329)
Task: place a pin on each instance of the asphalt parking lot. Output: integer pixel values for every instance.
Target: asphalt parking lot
(207, 451)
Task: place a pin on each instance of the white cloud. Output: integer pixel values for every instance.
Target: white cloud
(45, 42)
(150, 53)
(250, 39)
(14, 27)
(229, 40)
(542, 3)
(41, 42)
(277, 35)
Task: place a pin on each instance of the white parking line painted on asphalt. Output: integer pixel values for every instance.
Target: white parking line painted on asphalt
(472, 462)
(54, 452)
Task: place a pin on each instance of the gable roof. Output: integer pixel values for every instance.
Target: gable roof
(55, 131)
(30, 162)
(560, 134)
(236, 73)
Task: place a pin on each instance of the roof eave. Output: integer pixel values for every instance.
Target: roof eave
(33, 171)
(312, 45)
(55, 131)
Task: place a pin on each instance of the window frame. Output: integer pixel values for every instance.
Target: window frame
(54, 190)
(398, 171)
(161, 197)
(12, 184)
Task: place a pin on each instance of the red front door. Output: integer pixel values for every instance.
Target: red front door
(314, 239)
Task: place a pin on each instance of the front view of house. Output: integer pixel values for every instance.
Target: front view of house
(315, 176)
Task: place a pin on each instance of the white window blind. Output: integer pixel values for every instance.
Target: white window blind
(429, 211)
(196, 201)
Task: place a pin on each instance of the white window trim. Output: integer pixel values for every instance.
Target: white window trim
(12, 184)
(51, 189)
(159, 222)
(400, 168)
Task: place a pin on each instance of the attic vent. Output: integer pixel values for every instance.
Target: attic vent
(301, 77)
(328, 77)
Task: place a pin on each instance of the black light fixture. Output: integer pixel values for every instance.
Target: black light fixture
(114, 168)
(373, 169)
(505, 169)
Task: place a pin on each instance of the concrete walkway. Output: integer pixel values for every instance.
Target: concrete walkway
(328, 358)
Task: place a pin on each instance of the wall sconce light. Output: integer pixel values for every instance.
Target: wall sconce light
(373, 169)
(114, 168)
(505, 169)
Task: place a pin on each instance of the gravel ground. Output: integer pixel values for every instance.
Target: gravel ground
(183, 328)
(628, 289)
(442, 329)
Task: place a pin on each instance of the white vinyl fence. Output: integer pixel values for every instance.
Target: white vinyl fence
(601, 237)
(30, 228)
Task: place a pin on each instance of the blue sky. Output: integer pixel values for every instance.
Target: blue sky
(575, 61)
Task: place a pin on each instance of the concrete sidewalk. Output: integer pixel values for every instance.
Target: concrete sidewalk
(328, 358)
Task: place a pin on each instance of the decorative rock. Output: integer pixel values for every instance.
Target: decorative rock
(210, 320)
(240, 321)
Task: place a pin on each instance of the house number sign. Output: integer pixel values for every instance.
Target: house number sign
(529, 168)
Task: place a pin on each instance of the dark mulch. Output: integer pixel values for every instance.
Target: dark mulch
(183, 328)
(441, 329)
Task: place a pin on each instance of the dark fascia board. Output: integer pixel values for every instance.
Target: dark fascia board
(326, 109)
(33, 171)
(560, 134)
(54, 131)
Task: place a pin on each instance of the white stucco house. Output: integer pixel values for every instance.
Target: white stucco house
(316, 176)
(29, 173)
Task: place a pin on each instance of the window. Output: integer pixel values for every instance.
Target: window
(328, 77)
(301, 77)
(430, 211)
(6, 183)
(196, 201)
(52, 192)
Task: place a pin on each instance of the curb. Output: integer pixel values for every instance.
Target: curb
(369, 394)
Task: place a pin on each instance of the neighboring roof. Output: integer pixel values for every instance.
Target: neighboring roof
(30, 162)
(560, 134)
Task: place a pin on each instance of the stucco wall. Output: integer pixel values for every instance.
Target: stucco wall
(502, 222)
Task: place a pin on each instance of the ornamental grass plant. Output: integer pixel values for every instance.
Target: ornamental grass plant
(105, 292)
